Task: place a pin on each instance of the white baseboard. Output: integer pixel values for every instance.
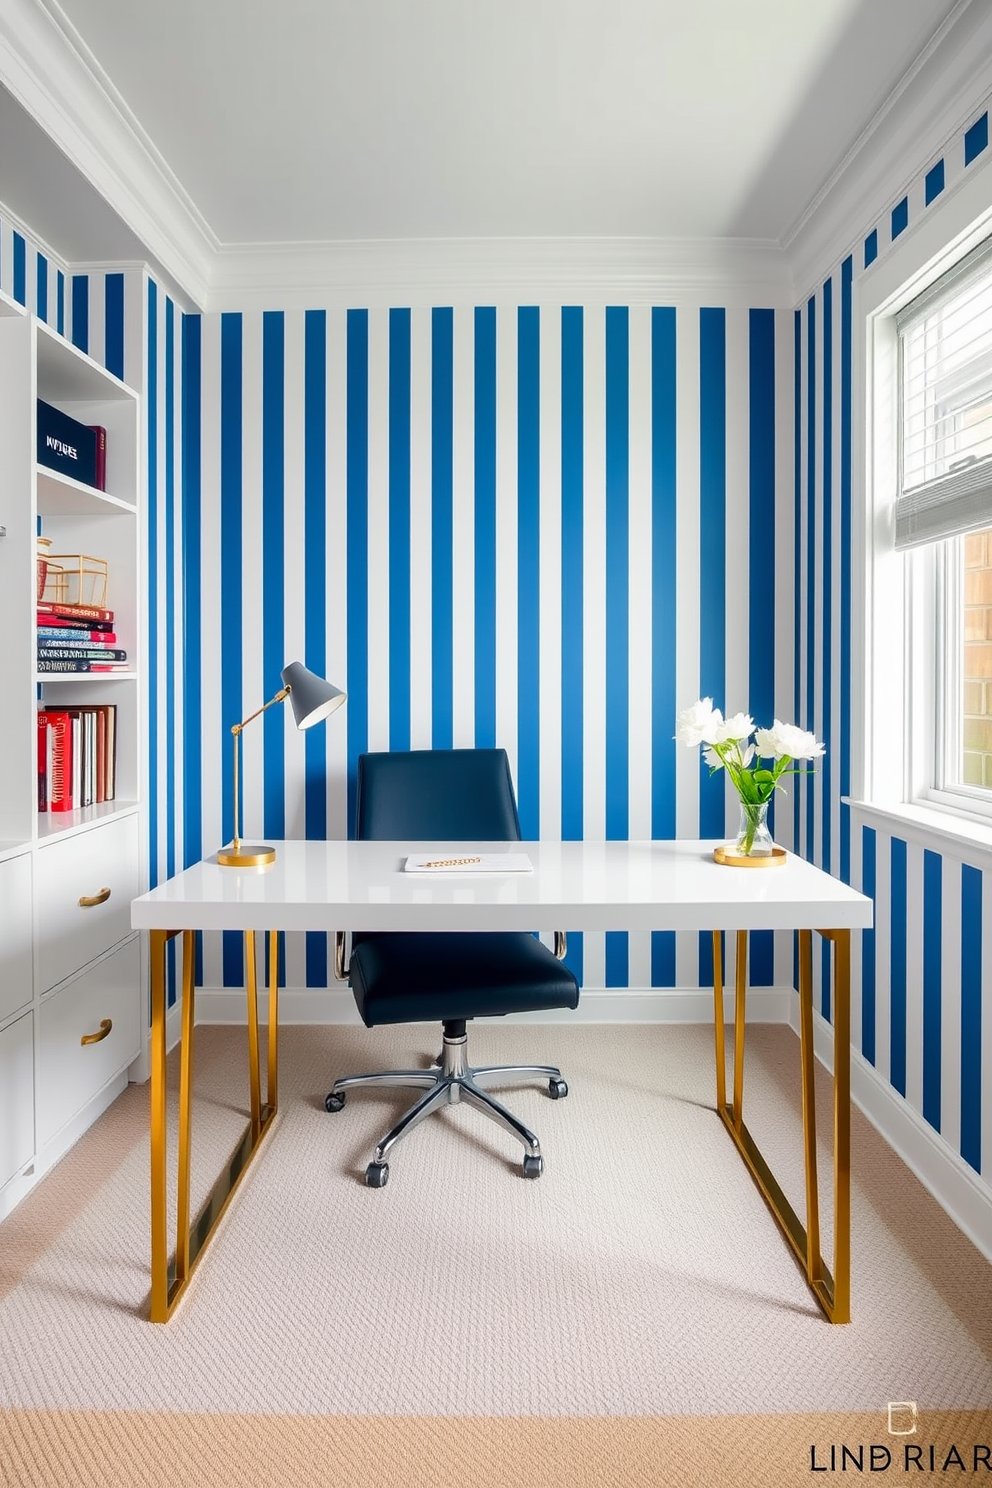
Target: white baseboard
(596, 1005)
(943, 1172)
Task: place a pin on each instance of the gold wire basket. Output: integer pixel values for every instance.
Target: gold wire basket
(75, 578)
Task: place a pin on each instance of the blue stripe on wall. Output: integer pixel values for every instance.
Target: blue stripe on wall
(617, 606)
(192, 806)
(712, 567)
(933, 183)
(971, 1016)
(273, 568)
(231, 581)
(844, 722)
(976, 138)
(529, 570)
(41, 292)
(897, 989)
(81, 311)
(358, 545)
(152, 376)
(664, 506)
(399, 529)
(932, 866)
(572, 599)
(170, 574)
(315, 595)
(113, 316)
(20, 270)
(60, 303)
(442, 482)
(761, 563)
(868, 847)
(485, 527)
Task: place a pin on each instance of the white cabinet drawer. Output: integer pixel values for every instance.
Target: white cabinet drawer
(81, 868)
(16, 1096)
(15, 935)
(72, 1071)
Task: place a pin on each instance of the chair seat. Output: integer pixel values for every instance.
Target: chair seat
(431, 977)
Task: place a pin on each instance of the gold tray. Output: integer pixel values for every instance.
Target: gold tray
(731, 859)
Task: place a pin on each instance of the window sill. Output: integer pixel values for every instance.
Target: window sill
(942, 831)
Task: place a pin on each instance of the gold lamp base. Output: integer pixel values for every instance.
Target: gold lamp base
(246, 855)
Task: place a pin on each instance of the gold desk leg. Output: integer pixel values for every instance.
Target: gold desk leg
(169, 1279)
(832, 1294)
(740, 1023)
(718, 1029)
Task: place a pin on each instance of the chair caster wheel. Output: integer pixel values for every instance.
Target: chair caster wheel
(533, 1166)
(557, 1089)
(334, 1101)
(377, 1175)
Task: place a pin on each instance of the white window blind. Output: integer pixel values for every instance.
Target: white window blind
(945, 434)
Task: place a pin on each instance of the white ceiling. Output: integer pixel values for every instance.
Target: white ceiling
(319, 121)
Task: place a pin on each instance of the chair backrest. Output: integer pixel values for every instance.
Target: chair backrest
(457, 795)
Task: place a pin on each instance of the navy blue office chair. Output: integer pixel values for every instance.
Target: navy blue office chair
(447, 795)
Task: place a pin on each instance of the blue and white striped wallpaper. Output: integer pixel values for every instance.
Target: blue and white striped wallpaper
(543, 527)
(923, 974)
(31, 276)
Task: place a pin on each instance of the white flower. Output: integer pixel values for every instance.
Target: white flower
(699, 724)
(735, 729)
(732, 752)
(786, 741)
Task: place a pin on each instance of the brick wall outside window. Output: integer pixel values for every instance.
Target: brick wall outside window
(978, 659)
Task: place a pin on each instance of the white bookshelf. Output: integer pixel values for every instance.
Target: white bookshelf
(68, 958)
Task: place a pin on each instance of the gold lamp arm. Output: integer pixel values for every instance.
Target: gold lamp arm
(237, 729)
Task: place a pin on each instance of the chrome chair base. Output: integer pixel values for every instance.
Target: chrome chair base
(449, 1080)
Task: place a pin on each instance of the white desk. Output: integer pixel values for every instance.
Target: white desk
(341, 886)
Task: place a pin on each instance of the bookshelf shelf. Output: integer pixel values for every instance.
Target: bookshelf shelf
(67, 823)
(61, 496)
(66, 876)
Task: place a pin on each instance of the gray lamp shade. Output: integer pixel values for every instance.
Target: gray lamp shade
(312, 697)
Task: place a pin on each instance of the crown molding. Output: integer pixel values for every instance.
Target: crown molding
(934, 100)
(46, 66)
(461, 271)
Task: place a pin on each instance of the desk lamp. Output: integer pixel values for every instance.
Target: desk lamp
(313, 699)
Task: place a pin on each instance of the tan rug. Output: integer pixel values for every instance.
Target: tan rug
(632, 1317)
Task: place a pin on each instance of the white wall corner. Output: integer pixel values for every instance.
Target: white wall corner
(934, 102)
(45, 65)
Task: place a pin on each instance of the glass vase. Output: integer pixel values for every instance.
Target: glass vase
(753, 837)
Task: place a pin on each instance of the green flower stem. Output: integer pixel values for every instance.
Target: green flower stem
(754, 784)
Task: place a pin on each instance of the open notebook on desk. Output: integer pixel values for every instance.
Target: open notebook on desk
(469, 862)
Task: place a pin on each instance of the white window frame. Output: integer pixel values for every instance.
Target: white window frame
(894, 743)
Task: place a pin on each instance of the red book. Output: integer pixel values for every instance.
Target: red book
(101, 456)
(55, 756)
(73, 611)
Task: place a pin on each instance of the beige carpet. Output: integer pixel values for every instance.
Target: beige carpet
(632, 1317)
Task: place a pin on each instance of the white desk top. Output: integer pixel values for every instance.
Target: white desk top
(575, 886)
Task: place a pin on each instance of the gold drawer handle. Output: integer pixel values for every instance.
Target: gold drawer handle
(88, 900)
(106, 1024)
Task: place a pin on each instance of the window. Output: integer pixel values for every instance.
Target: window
(943, 525)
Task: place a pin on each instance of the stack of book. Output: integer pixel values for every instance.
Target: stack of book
(77, 756)
(78, 638)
